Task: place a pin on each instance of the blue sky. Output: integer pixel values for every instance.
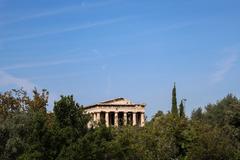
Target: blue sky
(137, 49)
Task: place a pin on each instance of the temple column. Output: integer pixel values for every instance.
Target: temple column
(90, 122)
(98, 117)
(106, 119)
(125, 118)
(116, 119)
(94, 117)
(142, 119)
(134, 119)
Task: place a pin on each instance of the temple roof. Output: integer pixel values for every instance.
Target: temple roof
(115, 102)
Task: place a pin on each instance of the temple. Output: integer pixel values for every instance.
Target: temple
(117, 112)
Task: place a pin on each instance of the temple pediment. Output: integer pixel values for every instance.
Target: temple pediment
(119, 102)
(122, 101)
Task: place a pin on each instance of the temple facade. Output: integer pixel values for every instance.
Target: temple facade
(117, 112)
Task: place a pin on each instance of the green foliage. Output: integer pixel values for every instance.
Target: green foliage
(224, 112)
(28, 132)
(212, 142)
(39, 101)
(65, 111)
(197, 114)
(181, 109)
(12, 102)
(158, 114)
(69, 116)
(217, 130)
(166, 134)
(174, 109)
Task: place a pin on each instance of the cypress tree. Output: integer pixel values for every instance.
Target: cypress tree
(181, 109)
(174, 109)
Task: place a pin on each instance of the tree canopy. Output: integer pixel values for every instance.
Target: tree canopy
(29, 132)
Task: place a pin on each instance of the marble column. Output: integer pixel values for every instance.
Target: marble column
(125, 118)
(98, 117)
(142, 119)
(94, 117)
(134, 119)
(116, 119)
(107, 119)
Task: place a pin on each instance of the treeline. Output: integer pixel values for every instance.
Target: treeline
(29, 132)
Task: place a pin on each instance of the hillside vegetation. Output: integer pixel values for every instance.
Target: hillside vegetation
(29, 132)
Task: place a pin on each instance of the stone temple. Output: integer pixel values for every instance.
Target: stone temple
(117, 112)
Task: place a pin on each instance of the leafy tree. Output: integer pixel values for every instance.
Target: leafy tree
(70, 123)
(39, 146)
(18, 119)
(39, 101)
(15, 128)
(223, 112)
(197, 114)
(68, 113)
(17, 100)
(168, 137)
(11, 102)
(212, 142)
(94, 145)
(27, 132)
(158, 114)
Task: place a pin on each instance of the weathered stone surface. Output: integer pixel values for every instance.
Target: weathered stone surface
(117, 112)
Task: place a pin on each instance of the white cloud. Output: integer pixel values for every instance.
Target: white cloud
(8, 79)
(176, 26)
(40, 64)
(49, 63)
(224, 67)
(69, 29)
(56, 11)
